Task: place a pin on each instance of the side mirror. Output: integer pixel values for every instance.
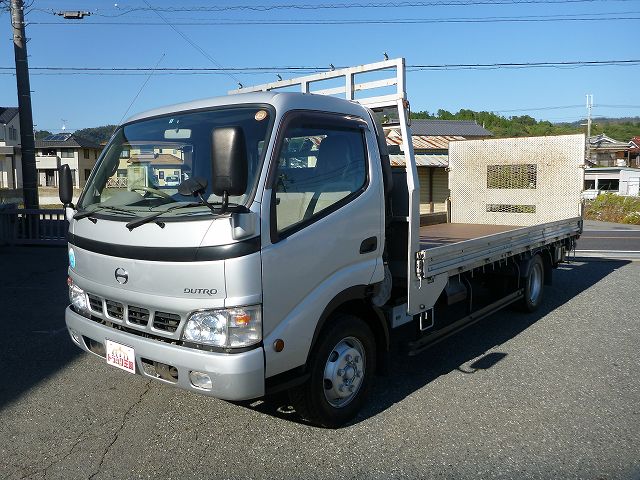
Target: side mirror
(228, 161)
(65, 185)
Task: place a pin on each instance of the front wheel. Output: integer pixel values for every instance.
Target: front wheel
(342, 367)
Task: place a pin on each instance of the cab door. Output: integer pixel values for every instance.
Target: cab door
(322, 228)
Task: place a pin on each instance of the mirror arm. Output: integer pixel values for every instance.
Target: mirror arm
(206, 203)
(225, 202)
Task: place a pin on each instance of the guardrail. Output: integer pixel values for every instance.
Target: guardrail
(32, 227)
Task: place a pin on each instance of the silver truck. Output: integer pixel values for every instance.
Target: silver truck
(291, 255)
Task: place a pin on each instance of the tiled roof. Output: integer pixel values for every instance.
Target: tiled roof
(423, 142)
(463, 128)
(603, 141)
(7, 113)
(421, 160)
(71, 142)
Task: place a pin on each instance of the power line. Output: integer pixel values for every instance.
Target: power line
(141, 88)
(585, 17)
(190, 41)
(313, 69)
(335, 6)
(616, 106)
(484, 66)
(536, 109)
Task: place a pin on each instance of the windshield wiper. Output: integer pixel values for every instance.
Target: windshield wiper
(85, 214)
(141, 221)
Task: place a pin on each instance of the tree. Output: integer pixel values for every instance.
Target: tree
(96, 135)
(40, 134)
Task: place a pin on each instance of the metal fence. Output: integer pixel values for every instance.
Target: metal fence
(32, 226)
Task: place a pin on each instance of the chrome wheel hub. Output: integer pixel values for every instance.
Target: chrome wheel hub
(535, 283)
(344, 372)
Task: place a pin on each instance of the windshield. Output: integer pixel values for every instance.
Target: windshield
(146, 161)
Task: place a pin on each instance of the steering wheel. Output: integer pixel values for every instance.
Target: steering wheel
(154, 191)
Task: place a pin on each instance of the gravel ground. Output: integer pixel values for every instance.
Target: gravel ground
(553, 394)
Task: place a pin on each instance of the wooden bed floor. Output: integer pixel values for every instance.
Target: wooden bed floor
(432, 236)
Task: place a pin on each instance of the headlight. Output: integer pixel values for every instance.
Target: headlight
(78, 299)
(229, 327)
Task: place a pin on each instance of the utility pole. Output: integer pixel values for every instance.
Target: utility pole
(589, 107)
(27, 140)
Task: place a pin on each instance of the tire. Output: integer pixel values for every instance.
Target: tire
(533, 285)
(342, 366)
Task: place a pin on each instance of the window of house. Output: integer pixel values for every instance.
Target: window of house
(87, 172)
(589, 184)
(611, 185)
(319, 168)
(13, 133)
(66, 153)
(86, 154)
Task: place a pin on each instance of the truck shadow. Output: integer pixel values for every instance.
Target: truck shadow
(33, 294)
(410, 374)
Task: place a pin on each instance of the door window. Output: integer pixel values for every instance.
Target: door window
(320, 168)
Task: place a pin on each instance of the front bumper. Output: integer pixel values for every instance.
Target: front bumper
(237, 376)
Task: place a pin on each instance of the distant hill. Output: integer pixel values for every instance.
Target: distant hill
(96, 134)
(622, 129)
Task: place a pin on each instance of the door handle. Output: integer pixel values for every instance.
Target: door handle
(369, 245)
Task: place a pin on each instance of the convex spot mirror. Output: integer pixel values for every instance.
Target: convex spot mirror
(228, 161)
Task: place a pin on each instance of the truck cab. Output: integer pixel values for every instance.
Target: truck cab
(227, 300)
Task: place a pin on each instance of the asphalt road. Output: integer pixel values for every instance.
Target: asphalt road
(612, 240)
(554, 394)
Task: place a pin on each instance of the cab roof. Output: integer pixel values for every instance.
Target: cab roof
(281, 101)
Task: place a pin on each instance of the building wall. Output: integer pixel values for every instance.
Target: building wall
(14, 123)
(628, 180)
(7, 173)
(48, 165)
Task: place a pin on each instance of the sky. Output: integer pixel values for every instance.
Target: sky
(301, 33)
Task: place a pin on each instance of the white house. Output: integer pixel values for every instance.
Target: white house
(620, 180)
(10, 160)
(65, 148)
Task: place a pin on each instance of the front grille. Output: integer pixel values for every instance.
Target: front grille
(138, 315)
(95, 303)
(166, 321)
(114, 309)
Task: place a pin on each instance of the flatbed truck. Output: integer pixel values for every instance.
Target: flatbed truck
(291, 257)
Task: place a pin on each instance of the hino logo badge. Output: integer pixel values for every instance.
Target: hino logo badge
(122, 276)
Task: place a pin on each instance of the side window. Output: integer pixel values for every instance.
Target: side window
(318, 168)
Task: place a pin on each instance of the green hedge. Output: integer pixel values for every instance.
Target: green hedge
(613, 208)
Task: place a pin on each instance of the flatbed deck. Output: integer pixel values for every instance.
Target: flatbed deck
(432, 236)
(454, 248)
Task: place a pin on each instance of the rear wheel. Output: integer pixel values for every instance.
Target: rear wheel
(342, 367)
(534, 285)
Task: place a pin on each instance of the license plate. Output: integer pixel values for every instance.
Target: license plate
(121, 356)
